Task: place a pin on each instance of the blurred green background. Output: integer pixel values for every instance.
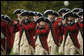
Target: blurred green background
(7, 7)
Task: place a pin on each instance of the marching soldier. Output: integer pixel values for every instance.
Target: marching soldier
(71, 44)
(41, 37)
(36, 17)
(16, 34)
(3, 23)
(26, 29)
(62, 12)
(80, 34)
(58, 31)
(52, 44)
(5, 34)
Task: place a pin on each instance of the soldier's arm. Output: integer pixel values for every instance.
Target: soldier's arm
(81, 26)
(15, 27)
(55, 28)
(72, 28)
(30, 26)
(45, 31)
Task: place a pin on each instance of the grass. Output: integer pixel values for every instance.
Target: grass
(11, 52)
(58, 53)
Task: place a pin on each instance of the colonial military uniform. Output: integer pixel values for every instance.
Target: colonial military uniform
(5, 34)
(51, 37)
(71, 44)
(61, 12)
(3, 23)
(41, 38)
(27, 44)
(80, 33)
(58, 33)
(15, 34)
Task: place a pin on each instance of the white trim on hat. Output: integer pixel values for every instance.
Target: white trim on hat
(15, 10)
(63, 8)
(56, 12)
(22, 10)
(47, 11)
(77, 8)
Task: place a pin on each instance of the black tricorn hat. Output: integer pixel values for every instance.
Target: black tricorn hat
(42, 19)
(32, 13)
(80, 13)
(2, 17)
(75, 10)
(25, 13)
(76, 15)
(38, 14)
(56, 13)
(72, 14)
(48, 12)
(62, 10)
(7, 18)
(18, 11)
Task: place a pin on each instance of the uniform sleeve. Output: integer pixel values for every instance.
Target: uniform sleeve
(15, 28)
(45, 31)
(55, 31)
(2, 25)
(72, 28)
(7, 30)
(81, 26)
(30, 26)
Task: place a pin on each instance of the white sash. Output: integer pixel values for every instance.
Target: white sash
(2, 35)
(25, 48)
(68, 41)
(16, 44)
(50, 39)
(80, 40)
(38, 41)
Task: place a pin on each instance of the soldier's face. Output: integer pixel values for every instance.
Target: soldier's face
(63, 14)
(42, 23)
(56, 18)
(82, 17)
(27, 17)
(51, 17)
(70, 18)
(64, 22)
(18, 15)
(36, 17)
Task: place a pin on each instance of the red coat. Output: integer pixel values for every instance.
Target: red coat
(80, 25)
(5, 29)
(17, 28)
(31, 30)
(74, 29)
(58, 33)
(12, 34)
(3, 24)
(44, 34)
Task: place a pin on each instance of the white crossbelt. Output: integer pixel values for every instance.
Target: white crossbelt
(2, 35)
